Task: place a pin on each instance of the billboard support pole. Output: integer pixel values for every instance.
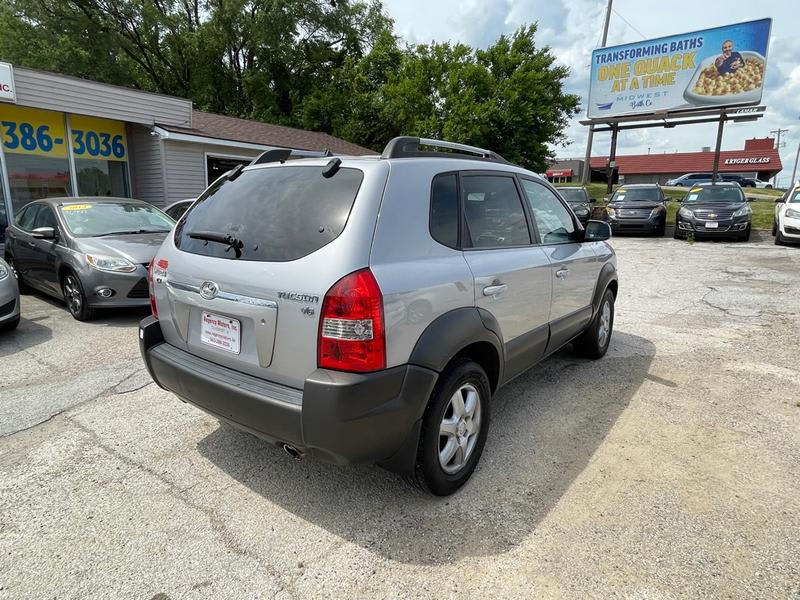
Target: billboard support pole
(612, 158)
(587, 169)
(718, 146)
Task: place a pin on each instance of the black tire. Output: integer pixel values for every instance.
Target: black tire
(676, 235)
(75, 297)
(590, 343)
(779, 241)
(24, 288)
(661, 229)
(746, 236)
(774, 228)
(429, 474)
(9, 325)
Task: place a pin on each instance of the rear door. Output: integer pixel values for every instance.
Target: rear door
(511, 274)
(573, 264)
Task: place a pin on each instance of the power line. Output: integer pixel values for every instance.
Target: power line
(644, 37)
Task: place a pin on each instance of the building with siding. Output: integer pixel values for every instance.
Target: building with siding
(65, 136)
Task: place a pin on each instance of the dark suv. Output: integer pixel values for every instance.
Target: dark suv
(718, 210)
(579, 201)
(638, 208)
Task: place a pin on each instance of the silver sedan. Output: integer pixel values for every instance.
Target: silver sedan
(9, 298)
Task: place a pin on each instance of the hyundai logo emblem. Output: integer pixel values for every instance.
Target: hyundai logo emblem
(209, 290)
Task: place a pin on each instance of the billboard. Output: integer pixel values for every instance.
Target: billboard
(702, 69)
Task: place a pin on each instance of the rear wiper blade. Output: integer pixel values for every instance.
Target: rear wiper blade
(232, 242)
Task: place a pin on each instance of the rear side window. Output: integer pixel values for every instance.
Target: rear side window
(277, 213)
(444, 210)
(493, 212)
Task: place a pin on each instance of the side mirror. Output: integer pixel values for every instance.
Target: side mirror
(780, 200)
(592, 200)
(597, 231)
(44, 233)
(748, 198)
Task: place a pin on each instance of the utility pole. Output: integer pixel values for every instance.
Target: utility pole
(778, 132)
(588, 157)
(794, 171)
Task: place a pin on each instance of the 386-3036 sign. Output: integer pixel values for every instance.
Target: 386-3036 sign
(40, 132)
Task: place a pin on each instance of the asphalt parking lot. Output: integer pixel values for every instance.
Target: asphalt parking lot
(668, 469)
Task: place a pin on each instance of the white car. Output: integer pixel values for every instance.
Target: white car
(762, 184)
(786, 227)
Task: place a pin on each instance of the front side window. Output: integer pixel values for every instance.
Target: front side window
(444, 210)
(112, 218)
(552, 218)
(493, 212)
(45, 218)
(279, 213)
(27, 216)
(795, 198)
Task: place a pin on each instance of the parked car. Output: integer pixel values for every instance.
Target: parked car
(762, 184)
(283, 302)
(736, 178)
(638, 208)
(714, 211)
(579, 201)
(92, 252)
(689, 180)
(9, 298)
(786, 227)
(176, 209)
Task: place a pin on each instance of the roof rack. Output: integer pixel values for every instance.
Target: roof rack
(409, 147)
(283, 154)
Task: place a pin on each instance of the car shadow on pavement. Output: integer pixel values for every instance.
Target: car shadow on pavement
(27, 335)
(546, 427)
(104, 317)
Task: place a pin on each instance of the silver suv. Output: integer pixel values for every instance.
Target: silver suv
(366, 309)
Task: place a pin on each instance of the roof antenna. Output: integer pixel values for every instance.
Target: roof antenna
(328, 152)
(332, 168)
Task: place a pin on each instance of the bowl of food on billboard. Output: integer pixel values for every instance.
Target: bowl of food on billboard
(738, 78)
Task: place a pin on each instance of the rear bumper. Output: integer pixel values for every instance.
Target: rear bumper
(337, 417)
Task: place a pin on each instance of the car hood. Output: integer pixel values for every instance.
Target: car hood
(137, 248)
(714, 205)
(643, 204)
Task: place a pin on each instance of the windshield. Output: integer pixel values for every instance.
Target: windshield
(636, 195)
(715, 193)
(574, 195)
(109, 218)
(272, 214)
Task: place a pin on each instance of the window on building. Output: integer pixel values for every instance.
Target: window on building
(216, 166)
(102, 177)
(32, 177)
(100, 150)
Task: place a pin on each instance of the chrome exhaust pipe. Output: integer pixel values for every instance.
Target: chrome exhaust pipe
(292, 451)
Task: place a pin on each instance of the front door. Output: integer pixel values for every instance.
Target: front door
(43, 252)
(512, 276)
(573, 263)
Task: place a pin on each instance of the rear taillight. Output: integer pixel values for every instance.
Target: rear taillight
(153, 307)
(351, 328)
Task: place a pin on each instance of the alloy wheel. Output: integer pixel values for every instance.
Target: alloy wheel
(605, 324)
(72, 294)
(459, 429)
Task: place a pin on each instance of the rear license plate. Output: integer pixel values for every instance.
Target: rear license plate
(711, 224)
(221, 332)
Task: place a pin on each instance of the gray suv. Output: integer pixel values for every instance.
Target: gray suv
(367, 309)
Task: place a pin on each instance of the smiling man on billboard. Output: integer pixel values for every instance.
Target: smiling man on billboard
(729, 61)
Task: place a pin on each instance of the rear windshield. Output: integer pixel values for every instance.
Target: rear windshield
(107, 218)
(715, 194)
(277, 213)
(573, 195)
(637, 195)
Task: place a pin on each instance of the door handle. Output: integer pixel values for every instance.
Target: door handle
(31, 244)
(562, 273)
(493, 290)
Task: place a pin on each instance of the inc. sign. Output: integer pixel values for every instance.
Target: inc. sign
(703, 69)
(7, 91)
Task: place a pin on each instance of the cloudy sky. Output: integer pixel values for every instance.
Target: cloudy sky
(572, 29)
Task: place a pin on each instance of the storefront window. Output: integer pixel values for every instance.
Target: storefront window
(34, 177)
(102, 178)
(100, 149)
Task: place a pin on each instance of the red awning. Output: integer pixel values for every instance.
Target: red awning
(559, 173)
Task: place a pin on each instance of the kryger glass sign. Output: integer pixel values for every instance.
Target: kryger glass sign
(703, 69)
